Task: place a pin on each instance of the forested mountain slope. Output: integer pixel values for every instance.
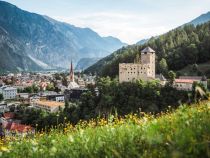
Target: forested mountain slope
(180, 47)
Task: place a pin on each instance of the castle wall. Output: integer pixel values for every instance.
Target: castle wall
(145, 70)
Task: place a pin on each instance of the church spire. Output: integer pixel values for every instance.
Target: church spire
(71, 73)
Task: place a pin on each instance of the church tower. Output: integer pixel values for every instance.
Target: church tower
(71, 73)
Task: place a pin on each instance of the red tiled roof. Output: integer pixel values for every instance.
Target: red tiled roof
(184, 81)
(12, 126)
(20, 127)
(9, 115)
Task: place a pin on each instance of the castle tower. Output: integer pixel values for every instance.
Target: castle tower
(142, 69)
(148, 58)
(71, 73)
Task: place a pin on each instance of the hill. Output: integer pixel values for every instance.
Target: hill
(180, 47)
(44, 42)
(198, 69)
(180, 133)
(201, 19)
(84, 63)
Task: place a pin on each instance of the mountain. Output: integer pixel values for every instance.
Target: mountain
(143, 41)
(30, 41)
(84, 63)
(180, 47)
(201, 19)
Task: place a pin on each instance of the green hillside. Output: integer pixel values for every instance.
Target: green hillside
(184, 132)
(180, 47)
(199, 69)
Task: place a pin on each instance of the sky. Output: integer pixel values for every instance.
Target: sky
(128, 20)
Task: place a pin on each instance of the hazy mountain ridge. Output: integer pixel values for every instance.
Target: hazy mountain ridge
(85, 63)
(46, 40)
(201, 19)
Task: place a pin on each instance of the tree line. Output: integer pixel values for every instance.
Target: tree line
(111, 97)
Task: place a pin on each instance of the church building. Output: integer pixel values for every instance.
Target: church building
(143, 67)
(72, 83)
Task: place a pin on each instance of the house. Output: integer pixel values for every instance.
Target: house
(56, 97)
(48, 106)
(13, 127)
(4, 108)
(143, 67)
(23, 97)
(8, 92)
(34, 98)
(161, 78)
(186, 82)
(9, 115)
(16, 129)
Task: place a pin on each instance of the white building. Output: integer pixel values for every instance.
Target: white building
(4, 108)
(8, 92)
(143, 68)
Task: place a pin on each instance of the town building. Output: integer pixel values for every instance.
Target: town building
(8, 92)
(48, 106)
(14, 127)
(143, 67)
(4, 108)
(56, 97)
(186, 82)
(161, 79)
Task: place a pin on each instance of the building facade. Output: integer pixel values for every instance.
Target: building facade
(186, 82)
(8, 92)
(143, 68)
(48, 106)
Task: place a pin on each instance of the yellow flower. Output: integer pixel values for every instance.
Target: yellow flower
(4, 148)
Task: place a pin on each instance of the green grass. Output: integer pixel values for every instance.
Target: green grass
(181, 133)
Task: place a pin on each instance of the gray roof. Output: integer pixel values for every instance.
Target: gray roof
(148, 50)
(160, 77)
(10, 88)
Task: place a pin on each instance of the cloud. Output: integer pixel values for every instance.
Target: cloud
(128, 27)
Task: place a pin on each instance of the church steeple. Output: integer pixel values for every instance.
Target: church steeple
(71, 73)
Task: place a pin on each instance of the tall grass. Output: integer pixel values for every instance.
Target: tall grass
(184, 132)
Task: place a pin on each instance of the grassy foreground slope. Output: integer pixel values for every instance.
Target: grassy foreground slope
(181, 133)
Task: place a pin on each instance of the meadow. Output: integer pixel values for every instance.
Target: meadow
(184, 132)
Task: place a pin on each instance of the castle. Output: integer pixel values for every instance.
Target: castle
(143, 68)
